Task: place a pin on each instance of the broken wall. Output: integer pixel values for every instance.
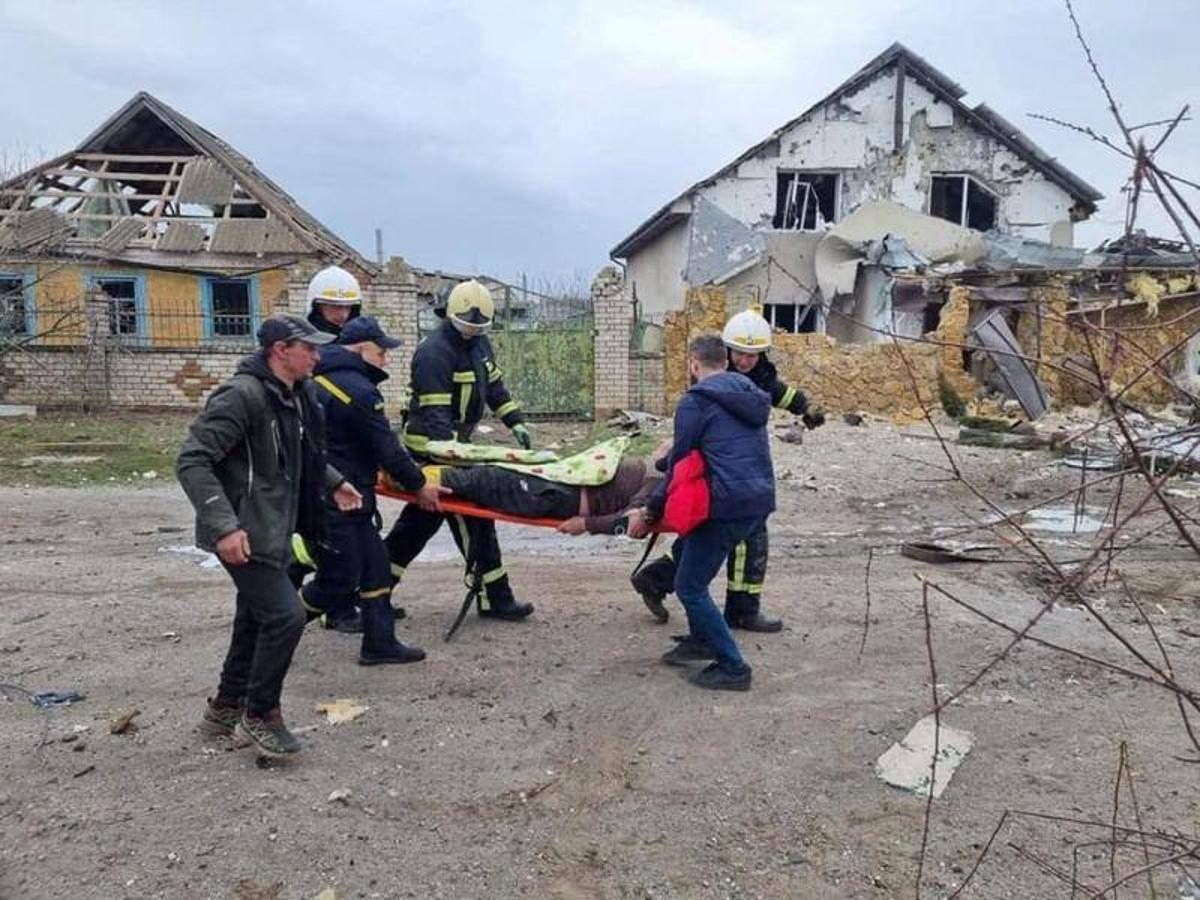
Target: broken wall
(842, 378)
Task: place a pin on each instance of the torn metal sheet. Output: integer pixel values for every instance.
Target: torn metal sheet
(907, 763)
(1004, 349)
(719, 245)
(843, 247)
(1008, 251)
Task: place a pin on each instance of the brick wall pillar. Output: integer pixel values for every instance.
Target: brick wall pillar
(613, 315)
(393, 301)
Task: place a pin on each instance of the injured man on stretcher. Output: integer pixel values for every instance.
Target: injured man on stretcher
(599, 509)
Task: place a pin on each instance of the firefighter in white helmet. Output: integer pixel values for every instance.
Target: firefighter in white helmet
(747, 338)
(334, 298)
(454, 378)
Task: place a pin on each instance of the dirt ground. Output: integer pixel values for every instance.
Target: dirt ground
(557, 758)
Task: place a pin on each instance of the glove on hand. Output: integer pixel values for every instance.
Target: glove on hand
(814, 418)
(523, 437)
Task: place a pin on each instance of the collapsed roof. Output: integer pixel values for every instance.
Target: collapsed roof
(151, 187)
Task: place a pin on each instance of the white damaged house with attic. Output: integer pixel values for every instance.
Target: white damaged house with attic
(895, 138)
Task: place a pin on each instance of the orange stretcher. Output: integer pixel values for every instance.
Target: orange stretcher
(474, 577)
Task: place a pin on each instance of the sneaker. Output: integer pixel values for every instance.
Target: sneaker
(512, 611)
(344, 623)
(755, 622)
(396, 654)
(688, 650)
(220, 719)
(267, 733)
(714, 677)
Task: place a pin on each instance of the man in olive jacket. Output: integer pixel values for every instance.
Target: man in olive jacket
(254, 467)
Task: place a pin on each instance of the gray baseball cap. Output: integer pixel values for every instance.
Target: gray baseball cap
(290, 328)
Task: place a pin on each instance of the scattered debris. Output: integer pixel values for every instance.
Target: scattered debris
(340, 711)
(792, 434)
(341, 795)
(853, 419)
(950, 552)
(84, 771)
(906, 764)
(634, 420)
(25, 620)
(256, 889)
(46, 699)
(123, 723)
(1005, 440)
(1006, 352)
(1063, 520)
(328, 894)
(551, 718)
(209, 560)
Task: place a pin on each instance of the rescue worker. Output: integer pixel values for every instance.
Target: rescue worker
(454, 376)
(334, 298)
(747, 338)
(352, 563)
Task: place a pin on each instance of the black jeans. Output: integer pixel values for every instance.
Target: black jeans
(267, 627)
(512, 492)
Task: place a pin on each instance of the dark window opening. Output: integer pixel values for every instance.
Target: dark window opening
(962, 200)
(12, 306)
(231, 313)
(791, 318)
(805, 201)
(122, 305)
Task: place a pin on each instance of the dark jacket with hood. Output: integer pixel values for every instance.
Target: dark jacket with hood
(319, 322)
(724, 416)
(255, 459)
(452, 379)
(766, 378)
(359, 439)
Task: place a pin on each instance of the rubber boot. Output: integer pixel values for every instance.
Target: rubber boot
(497, 602)
(379, 645)
(742, 610)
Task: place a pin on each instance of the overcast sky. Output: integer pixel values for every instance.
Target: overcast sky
(531, 137)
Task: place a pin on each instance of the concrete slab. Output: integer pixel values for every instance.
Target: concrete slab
(906, 763)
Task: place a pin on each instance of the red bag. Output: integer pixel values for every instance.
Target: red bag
(687, 496)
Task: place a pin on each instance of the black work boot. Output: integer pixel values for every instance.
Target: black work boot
(715, 677)
(687, 650)
(344, 621)
(742, 610)
(654, 581)
(497, 602)
(379, 645)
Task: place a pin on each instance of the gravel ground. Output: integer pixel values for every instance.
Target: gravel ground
(556, 757)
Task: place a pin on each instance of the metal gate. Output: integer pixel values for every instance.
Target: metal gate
(544, 345)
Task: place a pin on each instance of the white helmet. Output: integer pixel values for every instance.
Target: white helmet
(748, 332)
(470, 306)
(335, 286)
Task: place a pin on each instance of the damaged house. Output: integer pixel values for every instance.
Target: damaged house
(773, 225)
(136, 268)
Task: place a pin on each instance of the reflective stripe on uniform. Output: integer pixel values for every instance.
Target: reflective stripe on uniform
(324, 382)
(506, 408)
(494, 575)
(464, 402)
(494, 373)
(743, 587)
(739, 564)
(300, 551)
(467, 377)
(308, 606)
(397, 571)
(433, 399)
(374, 593)
(786, 400)
(461, 524)
(416, 442)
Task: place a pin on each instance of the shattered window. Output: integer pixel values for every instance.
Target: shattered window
(121, 294)
(805, 201)
(13, 313)
(790, 317)
(231, 313)
(962, 200)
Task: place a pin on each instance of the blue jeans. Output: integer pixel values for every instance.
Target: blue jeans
(699, 557)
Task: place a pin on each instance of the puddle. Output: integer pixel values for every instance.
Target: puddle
(1063, 520)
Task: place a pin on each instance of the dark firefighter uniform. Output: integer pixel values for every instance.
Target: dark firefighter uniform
(454, 378)
(352, 562)
(746, 569)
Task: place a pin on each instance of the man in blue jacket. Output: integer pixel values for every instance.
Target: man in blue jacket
(352, 562)
(724, 416)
